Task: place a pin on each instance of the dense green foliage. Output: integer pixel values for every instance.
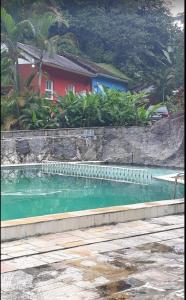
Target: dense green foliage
(175, 103)
(6, 69)
(131, 35)
(26, 112)
(11, 33)
(111, 108)
(137, 37)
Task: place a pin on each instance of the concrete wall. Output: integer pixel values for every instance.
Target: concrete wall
(161, 144)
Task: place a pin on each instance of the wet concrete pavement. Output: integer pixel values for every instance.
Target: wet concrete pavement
(140, 260)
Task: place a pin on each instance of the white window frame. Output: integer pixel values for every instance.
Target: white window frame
(71, 87)
(83, 92)
(49, 90)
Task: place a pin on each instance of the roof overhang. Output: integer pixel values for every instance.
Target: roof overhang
(29, 57)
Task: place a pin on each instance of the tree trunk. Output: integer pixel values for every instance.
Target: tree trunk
(40, 74)
(163, 93)
(17, 80)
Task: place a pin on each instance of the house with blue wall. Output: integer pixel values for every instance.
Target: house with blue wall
(109, 82)
(104, 74)
(108, 76)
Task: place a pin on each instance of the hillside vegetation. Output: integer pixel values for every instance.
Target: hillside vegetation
(135, 40)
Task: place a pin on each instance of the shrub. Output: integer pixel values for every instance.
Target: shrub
(109, 108)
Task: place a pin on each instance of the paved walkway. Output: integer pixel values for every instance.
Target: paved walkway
(139, 260)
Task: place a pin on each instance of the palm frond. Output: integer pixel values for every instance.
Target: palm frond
(29, 80)
(25, 25)
(7, 22)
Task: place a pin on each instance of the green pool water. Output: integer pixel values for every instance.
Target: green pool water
(27, 192)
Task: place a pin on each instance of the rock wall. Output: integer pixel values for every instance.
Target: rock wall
(161, 144)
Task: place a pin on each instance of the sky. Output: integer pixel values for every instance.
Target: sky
(176, 7)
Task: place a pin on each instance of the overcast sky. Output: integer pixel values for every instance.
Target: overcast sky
(176, 7)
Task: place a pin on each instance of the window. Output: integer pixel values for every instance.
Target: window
(83, 93)
(49, 89)
(71, 87)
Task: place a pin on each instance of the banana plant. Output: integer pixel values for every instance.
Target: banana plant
(36, 113)
(144, 115)
(91, 109)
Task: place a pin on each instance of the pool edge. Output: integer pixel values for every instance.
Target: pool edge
(26, 227)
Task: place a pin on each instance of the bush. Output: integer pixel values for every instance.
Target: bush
(175, 102)
(37, 113)
(109, 108)
(27, 112)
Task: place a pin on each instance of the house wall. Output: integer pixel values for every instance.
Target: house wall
(61, 79)
(108, 83)
(25, 71)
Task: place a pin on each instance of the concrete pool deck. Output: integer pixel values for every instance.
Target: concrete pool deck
(137, 260)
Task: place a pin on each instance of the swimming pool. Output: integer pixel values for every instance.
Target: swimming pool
(28, 192)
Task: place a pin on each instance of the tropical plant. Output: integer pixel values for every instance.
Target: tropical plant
(111, 108)
(28, 111)
(9, 110)
(69, 110)
(43, 38)
(166, 78)
(36, 113)
(91, 109)
(119, 108)
(175, 102)
(133, 37)
(143, 115)
(11, 34)
(6, 69)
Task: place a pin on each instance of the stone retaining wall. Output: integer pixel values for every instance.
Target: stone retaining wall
(161, 144)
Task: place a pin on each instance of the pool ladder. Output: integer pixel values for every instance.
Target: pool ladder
(175, 183)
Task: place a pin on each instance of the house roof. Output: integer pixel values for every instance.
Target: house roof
(54, 60)
(74, 64)
(101, 69)
(110, 68)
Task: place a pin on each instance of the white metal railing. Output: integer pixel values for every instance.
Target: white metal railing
(131, 175)
(175, 183)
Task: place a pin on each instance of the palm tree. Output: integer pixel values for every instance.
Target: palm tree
(166, 77)
(6, 69)
(11, 34)
(42, 24)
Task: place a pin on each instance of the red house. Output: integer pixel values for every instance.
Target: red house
(59, 74)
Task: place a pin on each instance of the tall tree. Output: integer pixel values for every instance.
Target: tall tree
(11, 34)
(131, 35)
(43, 38)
